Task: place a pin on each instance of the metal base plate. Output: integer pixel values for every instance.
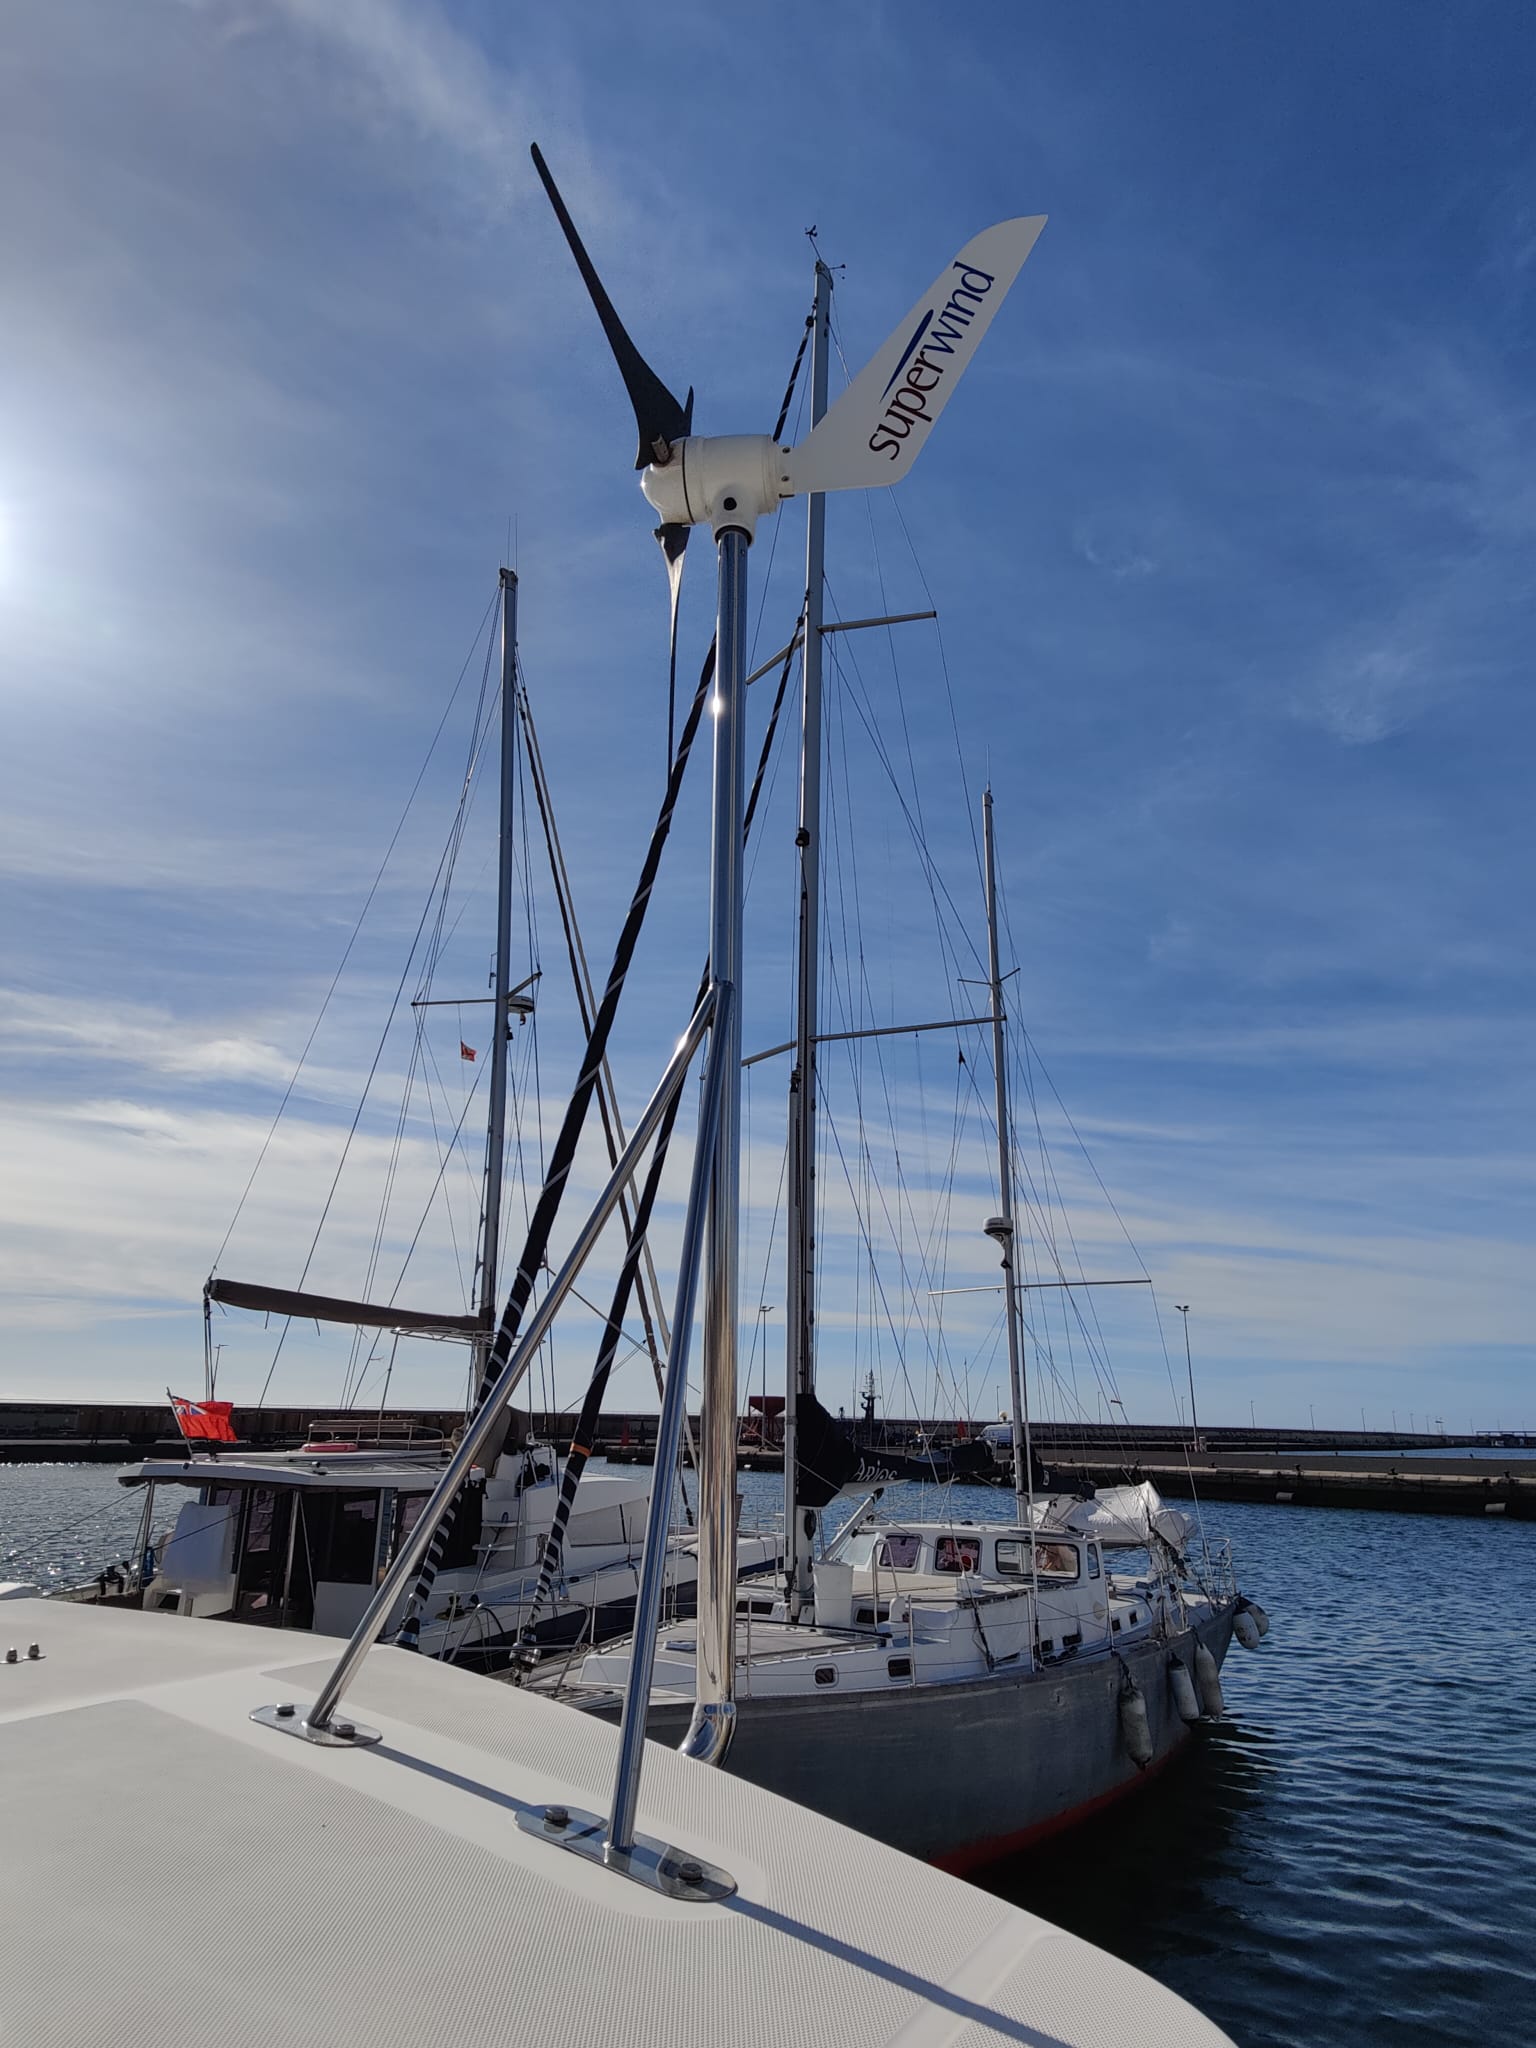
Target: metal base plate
(658, 1865)
(288, 1719)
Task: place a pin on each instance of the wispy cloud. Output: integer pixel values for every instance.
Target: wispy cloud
(411, 69)
(1232, 534)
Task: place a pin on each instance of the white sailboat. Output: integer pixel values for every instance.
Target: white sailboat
(253, 1860)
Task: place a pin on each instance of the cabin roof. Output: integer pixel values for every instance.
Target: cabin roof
(338, 1471)
(178, 1874)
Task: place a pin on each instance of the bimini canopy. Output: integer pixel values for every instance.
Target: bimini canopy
(1123, 1518)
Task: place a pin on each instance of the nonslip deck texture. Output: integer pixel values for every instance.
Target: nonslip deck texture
(177, 1875)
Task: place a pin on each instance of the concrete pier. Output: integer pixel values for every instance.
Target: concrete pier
(1482, 1487)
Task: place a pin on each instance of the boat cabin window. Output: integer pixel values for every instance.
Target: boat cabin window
(343, 1530)
(899, 1551)
(1093, 1560)
(956, 1554)
(468, 1524)
(1055, 1561)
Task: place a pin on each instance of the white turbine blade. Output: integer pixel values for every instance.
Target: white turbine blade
(873, 433)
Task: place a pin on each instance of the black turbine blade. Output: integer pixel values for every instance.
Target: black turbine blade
(659, 417)
(674, 541)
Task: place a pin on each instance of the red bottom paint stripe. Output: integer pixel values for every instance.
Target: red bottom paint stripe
(995, 1847)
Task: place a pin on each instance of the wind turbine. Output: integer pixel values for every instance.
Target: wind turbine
(870, 437)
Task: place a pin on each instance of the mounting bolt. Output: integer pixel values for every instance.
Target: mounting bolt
(729, 504)
(690, 1872)
(344, 1730)
(285, 1712)
(34, 1651)
(557, 1817)
(10, 1655)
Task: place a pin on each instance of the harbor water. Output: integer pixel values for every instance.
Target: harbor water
(1351, 1857)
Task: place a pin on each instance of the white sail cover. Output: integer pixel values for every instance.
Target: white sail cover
(1124, 1517)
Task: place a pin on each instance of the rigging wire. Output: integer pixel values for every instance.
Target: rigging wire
(444, 862)
(352, 939)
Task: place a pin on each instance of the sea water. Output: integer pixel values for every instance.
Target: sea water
(1350, 1857)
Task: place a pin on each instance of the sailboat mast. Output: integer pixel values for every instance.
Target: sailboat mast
(800, 1358)
(1002, 1228)
(496, 1122)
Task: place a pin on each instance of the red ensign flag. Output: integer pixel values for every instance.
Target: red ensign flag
(204, 1421)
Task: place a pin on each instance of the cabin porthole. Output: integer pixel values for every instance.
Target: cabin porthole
(899, 1667)
(825, 1674)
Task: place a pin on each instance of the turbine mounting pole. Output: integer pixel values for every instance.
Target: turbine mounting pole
(714, 1714)
(800, 1352)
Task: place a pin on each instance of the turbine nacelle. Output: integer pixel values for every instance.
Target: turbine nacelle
(722, 481)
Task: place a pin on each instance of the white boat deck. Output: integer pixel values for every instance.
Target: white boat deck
(177, 1874)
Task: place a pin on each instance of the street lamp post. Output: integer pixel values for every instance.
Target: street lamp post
(1194, 1425)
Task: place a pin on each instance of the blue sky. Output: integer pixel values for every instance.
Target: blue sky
(1230, 531)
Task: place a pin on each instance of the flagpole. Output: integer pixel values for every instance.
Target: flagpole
(176, 1418)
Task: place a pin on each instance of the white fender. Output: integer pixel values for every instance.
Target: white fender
(1246, 1629)
(1135, 1728)
(1182, 1686)
(1208, 1679)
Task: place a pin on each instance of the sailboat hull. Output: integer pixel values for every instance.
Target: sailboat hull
(962, 1775)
